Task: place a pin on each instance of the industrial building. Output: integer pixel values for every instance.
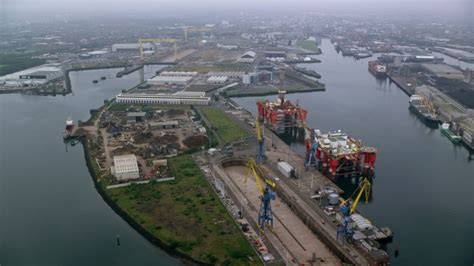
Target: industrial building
(179, 74)
(164, 124)
(275, 54)
(131, 47)
(230, 74)
(136, 116)
(169, 80)
(33, 76)
(125, 167)
(248, 57)
(443, 71)
(183, 97)
(217, 80)
(250, 78)
(227, 47)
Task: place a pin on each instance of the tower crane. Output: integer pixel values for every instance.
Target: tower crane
(142, 41)
(347, 209)
(194, 29)
(265, 215)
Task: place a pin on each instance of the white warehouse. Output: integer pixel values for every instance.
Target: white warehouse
(182, 97)
(217, 80)
(125, 167)
(169, 80)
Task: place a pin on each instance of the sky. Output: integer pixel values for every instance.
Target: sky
(435, 8)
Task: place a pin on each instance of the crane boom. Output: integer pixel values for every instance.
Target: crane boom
(252, 167)
(363, 189)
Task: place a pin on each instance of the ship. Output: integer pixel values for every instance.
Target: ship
(377, 69)
(424, 110)
(68, 128)
(445, 130)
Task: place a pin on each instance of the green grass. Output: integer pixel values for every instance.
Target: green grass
(308, 45)
(15, 62)
(227, 129)
(187, 215)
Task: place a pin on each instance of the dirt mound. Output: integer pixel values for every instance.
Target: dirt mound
(196, 141)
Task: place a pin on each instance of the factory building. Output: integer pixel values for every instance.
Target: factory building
(164, 125)
(169, 80)
(125, 167)
(184, 97)
(230, 74)
(132, 47)
(33, 76)
(275, 54)
(136, 116)
(179, 74)
(217, 80)
(250, 78)
(227, 47)
(248, 57)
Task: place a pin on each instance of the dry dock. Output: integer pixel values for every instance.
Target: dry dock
(294, 240)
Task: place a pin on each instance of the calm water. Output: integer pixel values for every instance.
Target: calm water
(424, 184)
(50, 212)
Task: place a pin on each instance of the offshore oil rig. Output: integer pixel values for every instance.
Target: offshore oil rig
(335, 154)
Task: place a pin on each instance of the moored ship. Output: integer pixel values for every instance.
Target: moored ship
(69, 127)
(445, 130)
(377, 69)
(424, 110)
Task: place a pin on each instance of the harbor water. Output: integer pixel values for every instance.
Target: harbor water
(50, 212)
(423, 185)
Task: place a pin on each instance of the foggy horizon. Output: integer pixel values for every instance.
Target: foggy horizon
(460, 10)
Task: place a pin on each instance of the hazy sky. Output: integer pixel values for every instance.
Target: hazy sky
(441, 8)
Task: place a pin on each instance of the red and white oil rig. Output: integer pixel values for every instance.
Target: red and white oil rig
(335, 154)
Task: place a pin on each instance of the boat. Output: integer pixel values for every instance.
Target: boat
(362, 54)
(377, 69)
(95, 81)
(103, 78)
(424, 110)
(69, 128)
(445, 130)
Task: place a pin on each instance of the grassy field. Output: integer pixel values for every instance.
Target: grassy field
(309, 45)
(16, 62)
(226, 129)
(187, 215)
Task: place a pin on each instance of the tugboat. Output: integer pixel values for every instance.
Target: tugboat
(445, 130)
(69, 128)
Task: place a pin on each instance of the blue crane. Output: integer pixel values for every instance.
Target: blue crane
(265, 215)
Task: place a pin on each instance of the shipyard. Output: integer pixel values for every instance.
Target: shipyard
(245, 137)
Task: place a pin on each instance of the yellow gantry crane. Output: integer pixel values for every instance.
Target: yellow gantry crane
(345, 229)
(265, 215)
(194, 29)
(153, 40)
(363, 189)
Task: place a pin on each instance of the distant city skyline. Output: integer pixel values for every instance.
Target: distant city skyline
(441, 9)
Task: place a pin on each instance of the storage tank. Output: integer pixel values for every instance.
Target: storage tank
(333, 199)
